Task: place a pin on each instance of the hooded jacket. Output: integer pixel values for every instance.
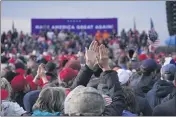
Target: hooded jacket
(159, 91)
(167, 108)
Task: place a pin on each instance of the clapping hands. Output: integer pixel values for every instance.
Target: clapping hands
(97, 55)
(41, 71)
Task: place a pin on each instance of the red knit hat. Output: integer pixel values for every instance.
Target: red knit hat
(18, 83)
(4, 94)
(67, 74)
(142, 57)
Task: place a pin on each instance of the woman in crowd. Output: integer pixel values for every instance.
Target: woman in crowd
(50, 102)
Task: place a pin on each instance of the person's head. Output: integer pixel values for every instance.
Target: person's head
(74, 64)
(85, 101)
(67, 76)
(6, 86)
(50, 99)
(124, 76)
(51, 67)
(20, 65)
(130, 99)
(142, 57)
(148, 66)
(168, 71)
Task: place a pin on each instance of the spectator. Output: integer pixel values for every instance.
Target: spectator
(168, 108)
(146, 80)
(98, 35)
(105, 35)
(50, 102)
(83, 35)
(162, 88)
(62, 35)
(50, 34)
(109, 85)
(143, 39)
(29, 100)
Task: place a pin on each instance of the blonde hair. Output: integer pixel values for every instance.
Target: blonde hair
(6, 85)
(51, 99)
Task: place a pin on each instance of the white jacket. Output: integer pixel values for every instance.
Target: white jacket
(11, 109)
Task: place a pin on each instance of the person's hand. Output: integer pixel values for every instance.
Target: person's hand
(103, 58)
(91, 55)
(41, 71)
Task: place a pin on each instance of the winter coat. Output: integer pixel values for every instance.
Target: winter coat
(159, 91)
(167, 108)
(143, 106)
(109, 84)
(11, 109)
(144, 85)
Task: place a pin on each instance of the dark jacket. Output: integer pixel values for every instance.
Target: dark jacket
(166, 109)
(159, 91)
(144, 85)
(83, 77)
(109, 81)
(94, 83)
(143, 106)
(30, 99)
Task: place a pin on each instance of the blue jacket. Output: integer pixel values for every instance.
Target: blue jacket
(40, 113)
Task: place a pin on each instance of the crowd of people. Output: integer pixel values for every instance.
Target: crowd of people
(67, 74)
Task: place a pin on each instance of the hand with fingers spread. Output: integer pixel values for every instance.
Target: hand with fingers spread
(91, 54)
(103, 58)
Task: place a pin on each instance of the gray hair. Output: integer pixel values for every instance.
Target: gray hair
(6, 85)
(51, 99)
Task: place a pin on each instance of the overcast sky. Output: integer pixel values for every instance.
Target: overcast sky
(22, 12)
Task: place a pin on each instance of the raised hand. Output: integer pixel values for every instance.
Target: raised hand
(91, 55)
(103, 58)
(41, 70)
